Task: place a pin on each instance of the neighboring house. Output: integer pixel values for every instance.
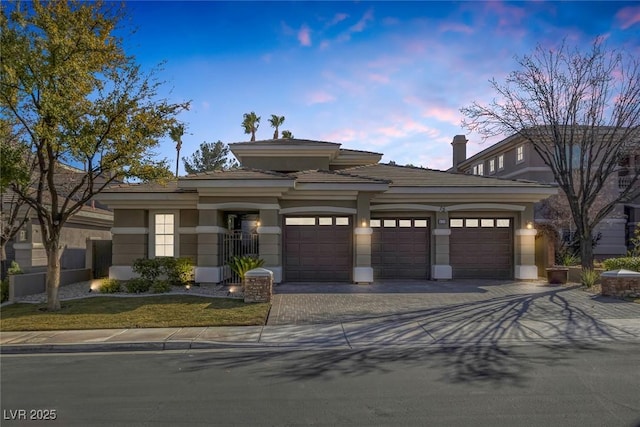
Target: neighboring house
(514, 158)
(93, 222)
(318, 213)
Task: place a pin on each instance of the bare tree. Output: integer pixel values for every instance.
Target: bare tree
(580, 111)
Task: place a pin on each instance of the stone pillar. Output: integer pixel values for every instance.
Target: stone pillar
(441, 269)
(362, 270)
(258, 285)
(210, 233)
(525, 249)
(270, 242)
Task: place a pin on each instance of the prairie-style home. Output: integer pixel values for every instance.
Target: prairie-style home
(317, 212)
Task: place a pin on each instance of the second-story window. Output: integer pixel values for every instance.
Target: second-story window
(519, 153)
(480, 169)
(501, 162)
(475, 170)
(492, 165)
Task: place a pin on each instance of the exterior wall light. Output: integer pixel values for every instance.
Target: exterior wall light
(364, 223)
(258, 223)
(529, 225)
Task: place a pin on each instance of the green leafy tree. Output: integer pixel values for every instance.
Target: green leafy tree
(250, 123)
(580, 112)
(287, 134)
(276, 122)
(211, 156)
(15, 169)
(78, 98)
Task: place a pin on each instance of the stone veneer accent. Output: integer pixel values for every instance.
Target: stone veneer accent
(258, 285)
(620, 283)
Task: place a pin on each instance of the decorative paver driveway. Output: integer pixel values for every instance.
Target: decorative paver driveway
(466, 302)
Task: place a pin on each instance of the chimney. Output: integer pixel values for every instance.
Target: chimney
(459, 144)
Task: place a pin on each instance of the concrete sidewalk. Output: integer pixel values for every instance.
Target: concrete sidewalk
(358, 334)
(418, 314)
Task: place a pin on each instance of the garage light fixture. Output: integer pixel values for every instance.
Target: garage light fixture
(529, 225)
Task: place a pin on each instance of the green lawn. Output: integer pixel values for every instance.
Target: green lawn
(142, 312)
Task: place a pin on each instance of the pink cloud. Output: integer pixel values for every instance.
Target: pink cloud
(456, 28)
(304, 36)
(442, 114)
(362, 23)
(508, 16)
(344, 135)
(319, 97)
(338, 17)
(379, 78)
(628, 16)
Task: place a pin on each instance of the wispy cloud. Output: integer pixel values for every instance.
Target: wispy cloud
(337, 18)
(304, 36)
(456, 27)
(319, 97)
(379, 78)
(628, 16)
(358, 27)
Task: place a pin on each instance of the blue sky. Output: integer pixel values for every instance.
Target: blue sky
(379, 76)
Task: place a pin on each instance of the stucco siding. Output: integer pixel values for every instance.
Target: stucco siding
(128, 247)
(130, 218)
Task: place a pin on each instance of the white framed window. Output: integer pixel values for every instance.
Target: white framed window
(164, 234)
(456, 223)
(471, 222)
(475, 169)
(480, 168)
(404, 223)
(420, 223)
(325, 221)
(519, 153)
(389, 223)
(501, 162)
(492, 165)
(503, 223)
(486, 223)
(342, 220)
(300, 221)
(374, 223)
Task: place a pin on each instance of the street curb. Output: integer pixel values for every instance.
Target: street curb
(18, 349)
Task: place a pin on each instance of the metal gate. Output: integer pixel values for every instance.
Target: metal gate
(237, 243)
(101, 258)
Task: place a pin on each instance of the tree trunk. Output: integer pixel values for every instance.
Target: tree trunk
(53, 275)
(586, 250)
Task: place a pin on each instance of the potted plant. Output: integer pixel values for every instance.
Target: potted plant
(558, 274)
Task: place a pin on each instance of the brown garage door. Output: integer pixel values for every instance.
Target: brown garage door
(400, 248)
(318, 249)
(481, 248)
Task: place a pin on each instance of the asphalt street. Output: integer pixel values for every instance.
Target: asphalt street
(525, 385)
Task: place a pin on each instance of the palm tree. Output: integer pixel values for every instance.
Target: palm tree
(287, 134)
(176, 133)
(250, 124)
(276, 121)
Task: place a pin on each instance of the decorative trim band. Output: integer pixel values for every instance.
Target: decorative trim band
(238, 205)
(269, 230)
(485, 206)
(27, 246)
(405, 207)
(364, 231)
(442, 232)
(319, 209)
(526, 232)
(129, 230)
(210, 229)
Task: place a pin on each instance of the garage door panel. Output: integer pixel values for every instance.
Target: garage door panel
(318, 252)
(400, 252)
(481, 252)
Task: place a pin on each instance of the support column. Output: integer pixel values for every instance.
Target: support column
(209, 233)
(362, 270)
(526, 268)
(270, 242)
(441, 269)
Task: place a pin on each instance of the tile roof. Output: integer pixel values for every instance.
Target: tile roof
(237, 173)
(408, 176)
(324, 176)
